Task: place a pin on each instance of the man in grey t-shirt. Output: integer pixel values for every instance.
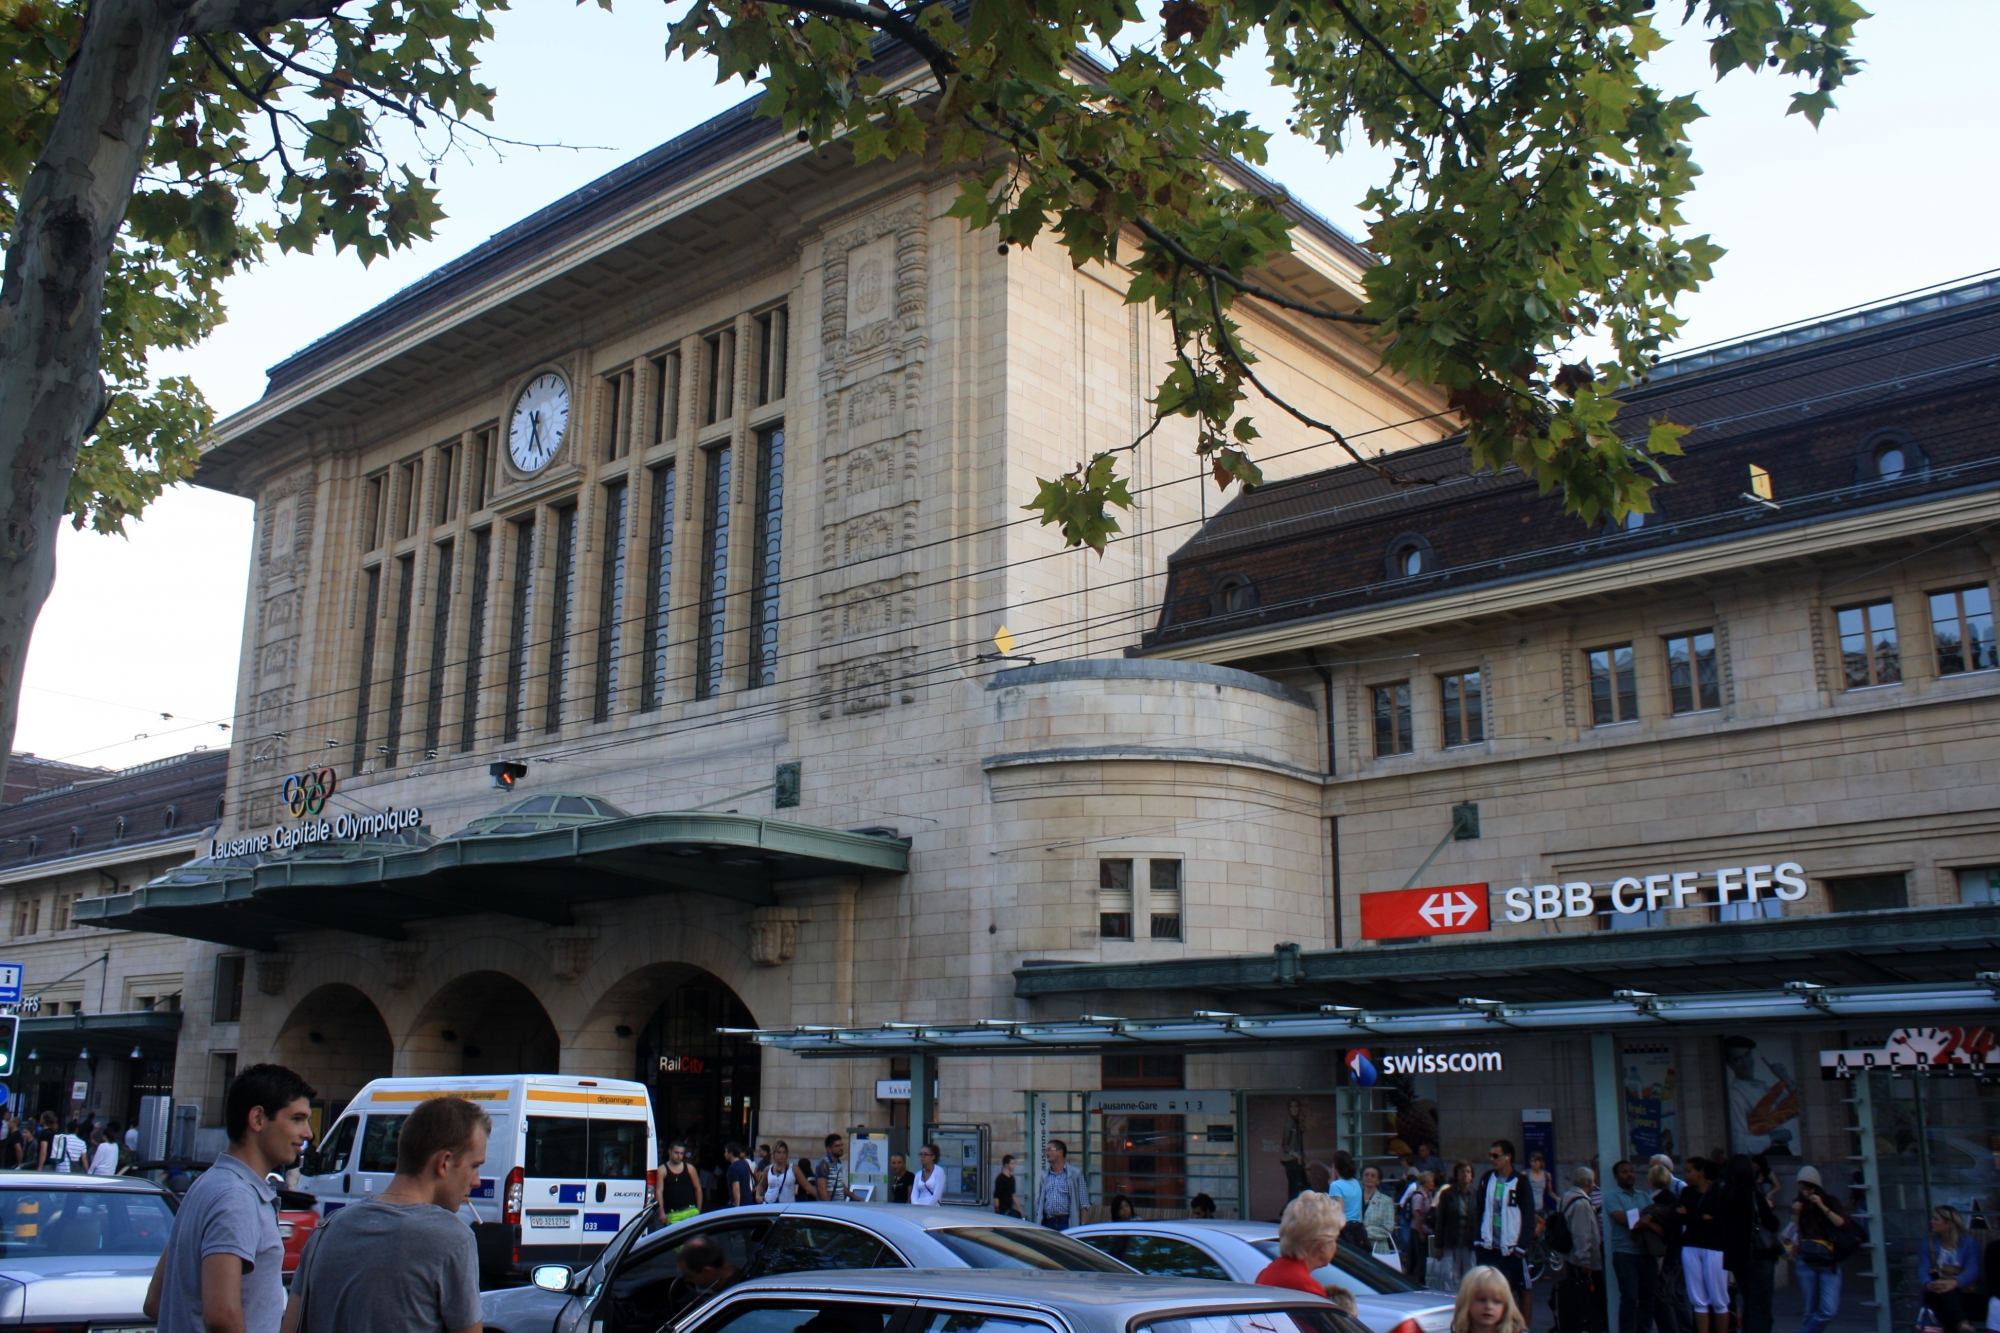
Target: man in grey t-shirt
(223, 1268)
(402, 1262)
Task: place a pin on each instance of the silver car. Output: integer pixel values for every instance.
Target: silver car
(973, 1301)
(1385, 1300)
(78, 1251)
(635, 1286)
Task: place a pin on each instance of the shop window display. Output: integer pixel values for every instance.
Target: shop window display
(1763, 1096)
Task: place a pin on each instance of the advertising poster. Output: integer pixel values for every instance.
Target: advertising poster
(1285, 1134)
(1763, 1097)
(1649, 1102)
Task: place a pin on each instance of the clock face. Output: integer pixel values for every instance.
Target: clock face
(541, 418)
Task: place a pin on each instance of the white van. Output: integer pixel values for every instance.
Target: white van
(569, 1162)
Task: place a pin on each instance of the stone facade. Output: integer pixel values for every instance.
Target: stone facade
(919, 382)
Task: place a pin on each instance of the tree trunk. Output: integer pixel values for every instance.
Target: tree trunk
(51, 300)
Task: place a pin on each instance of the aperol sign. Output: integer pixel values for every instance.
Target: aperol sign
(1939, 1052)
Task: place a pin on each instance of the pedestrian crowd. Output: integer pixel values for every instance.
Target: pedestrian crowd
(82, 1145)
(1697, 1246)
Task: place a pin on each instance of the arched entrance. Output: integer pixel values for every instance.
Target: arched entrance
(704, 1084)
(336, 1039)
(483, 1023)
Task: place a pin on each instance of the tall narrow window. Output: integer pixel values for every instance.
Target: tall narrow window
(1962, 626)
(659, 589)
(408, 510)
(714, 575)
(667, 374)
(1392, 719)
(374, 510)
(229, 988)
(1464, 708)
(1614, 690)
(771, 333)
(561, 623)
(1693, 681)
(399, 659)
(1114, 899)
(1166, 911)
(719, 369)
(440, 634)
(475, 636)
(611, 601)
(766, 548)
(618, 411)
(447, 483)
(480, 471)
(517, 648)
(1868, 651)
(372, 605)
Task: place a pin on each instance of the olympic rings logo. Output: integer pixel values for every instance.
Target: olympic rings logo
(307, 793)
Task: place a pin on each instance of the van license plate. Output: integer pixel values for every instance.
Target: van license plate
(538, 1221)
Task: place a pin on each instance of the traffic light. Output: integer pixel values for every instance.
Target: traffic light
(10, 1029)
(506, 773)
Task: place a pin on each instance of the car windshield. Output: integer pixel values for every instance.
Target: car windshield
(43, 1224)
(1244, 1321)
(1024, 1247)
(1372, 1273)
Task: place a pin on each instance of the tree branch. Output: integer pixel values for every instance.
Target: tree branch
(1229, 349)
(1368, 36)
(1181, 253)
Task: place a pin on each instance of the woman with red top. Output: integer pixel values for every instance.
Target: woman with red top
(1308, 1235)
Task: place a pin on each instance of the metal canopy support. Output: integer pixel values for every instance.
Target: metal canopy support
(1610, 1148)
(923, 1068)
(1828, 1005)
(1871, 1185)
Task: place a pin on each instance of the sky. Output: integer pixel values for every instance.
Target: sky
(135, 655)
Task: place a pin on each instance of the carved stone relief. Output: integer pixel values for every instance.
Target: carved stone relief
(774, 935)
(285, 514)
(873, 309)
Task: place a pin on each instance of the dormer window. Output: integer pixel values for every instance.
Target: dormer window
(1889, 455)
(75, 836)
(170, 817)
(1409, 556)
(1234, 593)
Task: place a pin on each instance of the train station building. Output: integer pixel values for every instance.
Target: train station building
(690, 506)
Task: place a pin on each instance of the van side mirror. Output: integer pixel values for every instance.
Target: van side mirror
(550, 1277)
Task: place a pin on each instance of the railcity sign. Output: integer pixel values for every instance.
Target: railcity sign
(342, 827)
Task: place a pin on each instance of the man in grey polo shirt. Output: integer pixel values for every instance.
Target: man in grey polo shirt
(223, 1270)
(401, 1261)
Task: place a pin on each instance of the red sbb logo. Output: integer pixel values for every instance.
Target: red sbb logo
(1456, 909)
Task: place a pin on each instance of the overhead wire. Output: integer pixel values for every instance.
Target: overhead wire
(1049, 633)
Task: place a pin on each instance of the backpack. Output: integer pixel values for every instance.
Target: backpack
(1556, 1233)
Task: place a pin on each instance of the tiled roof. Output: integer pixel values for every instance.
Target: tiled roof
(1319, 544)
(86, 818)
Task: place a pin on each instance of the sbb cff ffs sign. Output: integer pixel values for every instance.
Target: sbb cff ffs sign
(1456, 909)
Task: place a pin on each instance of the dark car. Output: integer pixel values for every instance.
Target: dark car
(636, 1287)
(78, 1251)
